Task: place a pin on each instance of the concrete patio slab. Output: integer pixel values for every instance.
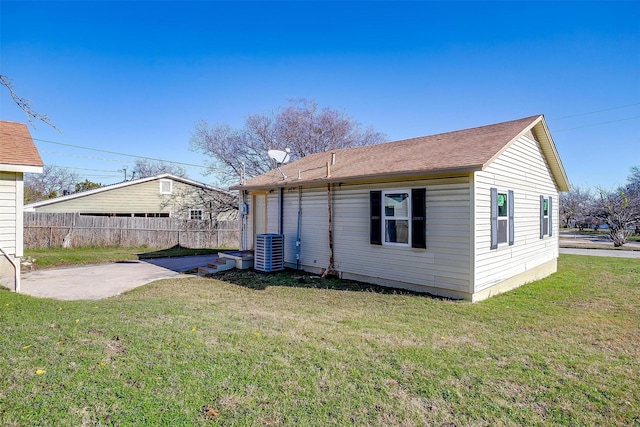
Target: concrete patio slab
(92, 282)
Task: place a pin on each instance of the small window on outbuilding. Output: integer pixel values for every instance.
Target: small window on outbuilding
(195, 214)
(166, 186)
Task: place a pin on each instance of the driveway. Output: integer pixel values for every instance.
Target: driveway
(92, 282)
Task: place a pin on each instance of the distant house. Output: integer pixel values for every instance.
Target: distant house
(464, 214)
(163, 195)
(18, 155)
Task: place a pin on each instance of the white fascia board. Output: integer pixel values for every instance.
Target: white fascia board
(4, 167)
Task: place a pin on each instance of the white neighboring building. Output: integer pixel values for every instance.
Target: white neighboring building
(18, 155)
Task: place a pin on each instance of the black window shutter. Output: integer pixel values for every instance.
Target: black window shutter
(550, 207)
(541, 217)
(494, 218)
(375, 226)
(418, 218)
(512, 227)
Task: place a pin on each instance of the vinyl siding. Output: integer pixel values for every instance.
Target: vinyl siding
(445, 264)
(9, 229)
(314, 222)
(523, 169)
(144, 197)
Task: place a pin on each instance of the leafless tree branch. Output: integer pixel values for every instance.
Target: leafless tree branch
(301, 126)
(25, 104)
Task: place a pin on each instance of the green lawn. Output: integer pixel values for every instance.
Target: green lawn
(262, 350)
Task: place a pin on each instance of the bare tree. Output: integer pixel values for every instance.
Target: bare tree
(25, 104)
(575, 206)
(301, 126)
(618, 213)
(146, 168)
(54, 181)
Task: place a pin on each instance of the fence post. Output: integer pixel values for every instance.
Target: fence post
(50, 236)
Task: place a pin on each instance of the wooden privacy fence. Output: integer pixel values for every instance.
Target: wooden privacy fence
(46, 230)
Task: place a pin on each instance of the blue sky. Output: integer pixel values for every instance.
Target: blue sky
(134, 77)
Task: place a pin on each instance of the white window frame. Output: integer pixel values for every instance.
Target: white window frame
(386, 217)
(503, 218)
(164, 182)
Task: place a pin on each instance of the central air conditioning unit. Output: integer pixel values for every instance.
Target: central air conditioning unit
(269, 252)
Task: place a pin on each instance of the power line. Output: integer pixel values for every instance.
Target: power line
(85, 169)
(596, 111)
(119, 154)
(597, 124)
(100, 176)
(114, 153)
(85, 157)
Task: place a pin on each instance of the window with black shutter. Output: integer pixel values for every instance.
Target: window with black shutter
(418, 218)
(375, 226)
(398, 218)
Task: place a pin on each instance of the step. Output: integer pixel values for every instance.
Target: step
(205, 271)
(215, 267)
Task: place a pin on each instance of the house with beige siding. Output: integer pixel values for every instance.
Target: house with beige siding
(464, 214)
(163, 195)
(18, 155)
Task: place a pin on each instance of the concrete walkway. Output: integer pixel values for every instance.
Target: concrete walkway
(92, 282)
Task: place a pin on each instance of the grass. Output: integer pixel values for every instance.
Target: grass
(60, 257)
(263, 350)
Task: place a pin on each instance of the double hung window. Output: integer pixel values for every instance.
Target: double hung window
(502, 218)
(546, 209)
(398, 217)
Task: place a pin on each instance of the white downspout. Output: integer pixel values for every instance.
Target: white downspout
(16, 269)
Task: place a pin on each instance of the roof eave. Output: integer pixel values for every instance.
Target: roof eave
(121, 185)
(4, 167)
(359, 178)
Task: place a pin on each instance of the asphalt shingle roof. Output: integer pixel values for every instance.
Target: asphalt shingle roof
(459, 151)
(16, 145)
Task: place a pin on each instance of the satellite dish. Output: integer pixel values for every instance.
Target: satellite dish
(281, 157)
